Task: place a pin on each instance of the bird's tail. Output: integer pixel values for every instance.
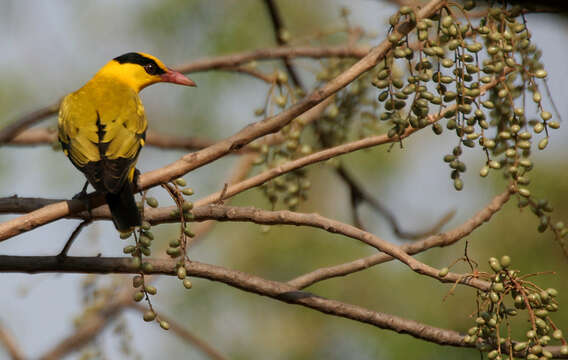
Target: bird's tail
(125, 214)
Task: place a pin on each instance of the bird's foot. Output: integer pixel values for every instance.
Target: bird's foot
(82, 194)
(84, 197)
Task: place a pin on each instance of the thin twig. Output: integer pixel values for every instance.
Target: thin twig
(240, 171)
(25, 121)
(73, 236)
(278, 27)
(11, 344)
(252, 72)
(313, 52)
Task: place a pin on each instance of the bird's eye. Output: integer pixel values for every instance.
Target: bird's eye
(150, 69)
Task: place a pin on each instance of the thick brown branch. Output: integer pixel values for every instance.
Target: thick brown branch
(259, 216)
(240, 280)
(246, 282)
(444, 239)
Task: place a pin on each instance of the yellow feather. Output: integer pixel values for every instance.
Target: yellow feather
(107, 105)
(102, 127)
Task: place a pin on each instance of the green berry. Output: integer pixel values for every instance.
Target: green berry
(181, 272)
(152, 202)
(129, 249)
(138, 296)
(524, 192)
(125, 235)
(149, 316)
(136, 262)
(540, 73)
(186, 206)
(137, 281)
(187, 191)
(147, 267)
(505, 261)
(145, 241)
(151, 290)
(180, 182)
(542, 144)
(187, 284)
(173, 252)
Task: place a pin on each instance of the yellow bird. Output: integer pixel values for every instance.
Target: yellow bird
(102, 127)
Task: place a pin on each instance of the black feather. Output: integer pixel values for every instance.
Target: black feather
(136, 58)
(125, 214)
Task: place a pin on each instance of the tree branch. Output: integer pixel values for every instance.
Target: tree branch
(26, 121)
(11, 344)
(230, 61)
(440, 240)
(237, 279)
(226, 213)
(251, 214)
(247, 282)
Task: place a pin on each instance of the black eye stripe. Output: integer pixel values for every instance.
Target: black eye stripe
(136, 58)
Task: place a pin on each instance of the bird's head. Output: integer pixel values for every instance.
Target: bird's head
(139, 70)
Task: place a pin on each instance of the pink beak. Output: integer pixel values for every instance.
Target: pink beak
(177, 78)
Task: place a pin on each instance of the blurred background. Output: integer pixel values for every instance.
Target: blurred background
(52, 48)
